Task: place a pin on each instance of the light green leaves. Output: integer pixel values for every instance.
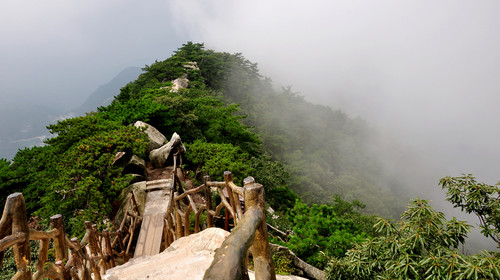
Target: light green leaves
(420, 246)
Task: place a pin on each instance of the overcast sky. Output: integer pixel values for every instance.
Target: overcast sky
(57, 52)
(427, 72)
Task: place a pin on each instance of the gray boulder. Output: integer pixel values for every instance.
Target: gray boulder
(159, 156)
(156, 138)
(191, 65)
(136, 165)
(187, 258)
(139, 190)
(131, 164)
(179, 83)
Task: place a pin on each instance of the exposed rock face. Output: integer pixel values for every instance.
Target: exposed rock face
(179, 83)
(191, 65)
(159, 156)
(131, 164)
(139, 190)
(187, 258)
(135, 165)
(156, 138)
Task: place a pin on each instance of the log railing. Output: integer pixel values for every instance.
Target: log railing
(93, 255)
(177, 217)
(250, 230)
(99, 251)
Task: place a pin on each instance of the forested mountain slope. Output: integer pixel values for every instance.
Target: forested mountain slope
(316, 164)
(325, 151)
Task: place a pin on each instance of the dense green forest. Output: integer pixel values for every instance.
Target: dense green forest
(322, 180)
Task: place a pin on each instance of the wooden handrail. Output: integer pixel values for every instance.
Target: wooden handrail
(11, 240)
(97, 251)
(229, 260)
(250, 227)
(14, 232)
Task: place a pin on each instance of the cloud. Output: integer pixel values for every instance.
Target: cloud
(424, 71)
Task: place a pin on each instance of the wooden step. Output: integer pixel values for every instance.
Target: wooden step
(159, 184)
(150, 235)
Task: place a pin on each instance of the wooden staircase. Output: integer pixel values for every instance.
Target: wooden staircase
(157, 202)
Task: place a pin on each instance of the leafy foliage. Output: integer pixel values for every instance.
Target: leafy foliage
(29, 172)
(478, 198)
(274, 177)
(212, 158)
(422, 245)
(87, 181)
(322, 231)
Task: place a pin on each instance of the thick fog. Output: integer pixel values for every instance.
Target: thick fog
(425, 74)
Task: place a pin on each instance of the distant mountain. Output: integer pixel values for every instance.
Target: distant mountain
(105, 93)
(24, 125)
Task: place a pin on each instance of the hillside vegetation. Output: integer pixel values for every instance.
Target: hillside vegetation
(315, 163)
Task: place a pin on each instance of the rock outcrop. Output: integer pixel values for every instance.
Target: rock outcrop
(179, 83)
(135, 165)
(191, 65)
(159, 156)
(187, 258)
(156, 138)
(139, 190)
(131, 164)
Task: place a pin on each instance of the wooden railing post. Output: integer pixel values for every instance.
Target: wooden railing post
(109, 250)
(234, 197)
(254, 197)
(229, 260)
(6, 221)
(80, 258)
(56, 222)
(208, 199)
(228, 177)
(94, 249)
(178, 219)
(15, 207)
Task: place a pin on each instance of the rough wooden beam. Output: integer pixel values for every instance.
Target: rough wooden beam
(56, 222)
(22, 254)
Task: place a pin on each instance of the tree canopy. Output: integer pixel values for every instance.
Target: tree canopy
(422, 245)
(478, 198)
